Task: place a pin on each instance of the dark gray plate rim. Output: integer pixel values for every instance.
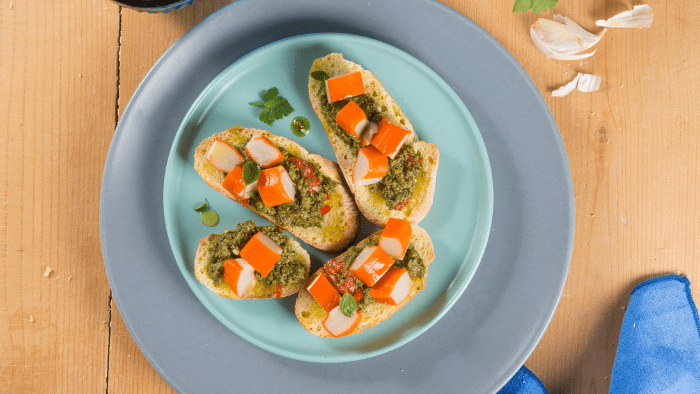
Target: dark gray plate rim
(501, 316)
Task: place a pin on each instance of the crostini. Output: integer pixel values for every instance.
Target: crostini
(367, 283)
(300, 192)
(389, 170)
(252, 262)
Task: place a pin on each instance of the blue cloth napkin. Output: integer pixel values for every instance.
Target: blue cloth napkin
(659, 347)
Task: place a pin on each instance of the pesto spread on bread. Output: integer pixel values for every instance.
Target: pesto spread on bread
(313, 188)
(288, 271)
(337, 270)
(398, 185)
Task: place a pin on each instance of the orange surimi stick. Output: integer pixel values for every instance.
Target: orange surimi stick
(393, 287)
(344, 86)
(395, 237)
(371, 264)
(262, 253)
(223, 156)
(352, 119)
(275, 186)
(323, 292)
(337, 324)
(235, 185)
(238, 275)
(370, 167)
(263, 151)
(390, 138)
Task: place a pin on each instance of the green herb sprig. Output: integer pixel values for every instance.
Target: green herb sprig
(536, 6)
(274, 106)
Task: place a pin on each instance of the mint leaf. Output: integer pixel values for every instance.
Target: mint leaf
(348, 305)
(536, 6)
(274, 106)
(320, 75)
(251, 172)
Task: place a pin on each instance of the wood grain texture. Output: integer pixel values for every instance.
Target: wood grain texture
(144, 38)
(69, 67)
(58, 69)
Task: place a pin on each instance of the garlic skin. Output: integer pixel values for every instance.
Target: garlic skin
(562, 38)
(568, 88)
(639, 17)
(585, 82)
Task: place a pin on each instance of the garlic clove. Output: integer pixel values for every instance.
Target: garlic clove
(562, 38)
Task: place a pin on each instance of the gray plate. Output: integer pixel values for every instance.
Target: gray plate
(503, 313)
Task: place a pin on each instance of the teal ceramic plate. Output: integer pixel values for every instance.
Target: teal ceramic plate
(458, 222)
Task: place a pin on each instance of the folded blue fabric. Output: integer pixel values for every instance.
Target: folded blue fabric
(659, 348)
(524, 382)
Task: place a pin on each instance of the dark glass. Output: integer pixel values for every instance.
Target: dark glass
(154, 5)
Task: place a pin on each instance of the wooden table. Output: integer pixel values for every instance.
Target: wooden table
(68, 68)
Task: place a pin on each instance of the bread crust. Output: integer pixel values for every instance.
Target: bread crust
(223, 290)
(369, 203)
(339, 226)
(310, 314)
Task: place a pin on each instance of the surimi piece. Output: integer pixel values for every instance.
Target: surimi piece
(219, 265)
(408, 188)
(344, 86)
(328, 223)
(275, 186)
(390, 138)
(223, 156)
(371, 264)
(392, 288)
(352, 119)
(323, 292)
(263, 151)
(395, 237)
(262, 253)
(239, 275)
(370, 167)
(235, 185)
(338, 325)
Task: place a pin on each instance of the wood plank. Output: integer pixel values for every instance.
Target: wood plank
(144, 37)
(633, 153)
(57, 115)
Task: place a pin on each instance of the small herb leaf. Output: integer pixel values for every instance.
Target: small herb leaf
(320, 75)
(536, 6)
(348, 305)
(251, 172)
(274, 106)
(203, 207)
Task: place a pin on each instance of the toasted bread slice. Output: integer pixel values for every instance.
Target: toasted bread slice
(338, 226)
(311, 314)
(370, 202)
(293, 252)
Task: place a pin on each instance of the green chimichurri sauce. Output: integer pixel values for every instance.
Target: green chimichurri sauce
(412, 262)
(400, 182)
(300, 126)
(288, 271)
(305, 210)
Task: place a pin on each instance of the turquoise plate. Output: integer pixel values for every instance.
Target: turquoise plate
(458, 222)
